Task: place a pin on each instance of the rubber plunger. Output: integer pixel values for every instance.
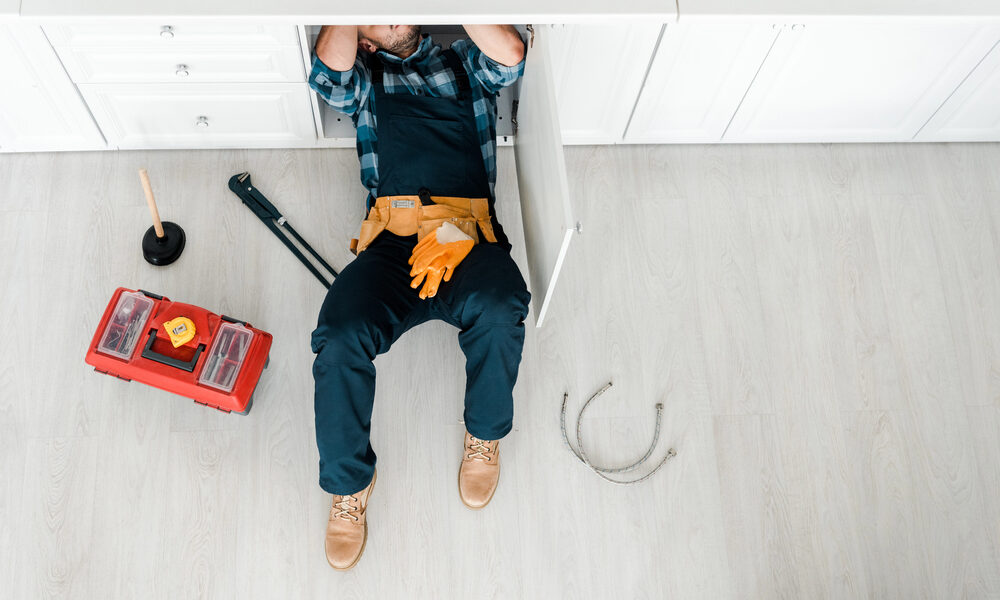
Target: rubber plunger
(163, 242)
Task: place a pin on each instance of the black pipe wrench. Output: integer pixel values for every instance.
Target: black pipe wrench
(241, 186)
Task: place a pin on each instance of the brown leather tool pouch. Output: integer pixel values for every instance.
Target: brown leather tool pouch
(370, 229)
(406, 216)
(432, 216)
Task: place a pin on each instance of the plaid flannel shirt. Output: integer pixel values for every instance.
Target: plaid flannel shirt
(422, 73)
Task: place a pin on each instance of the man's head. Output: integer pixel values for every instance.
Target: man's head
(401, 40)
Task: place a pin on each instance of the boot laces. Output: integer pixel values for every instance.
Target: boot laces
(482, 449)
(344, 509)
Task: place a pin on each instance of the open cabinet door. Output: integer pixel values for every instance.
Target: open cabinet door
(546, 210)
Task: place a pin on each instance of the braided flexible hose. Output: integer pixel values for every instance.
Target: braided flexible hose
(603, 472)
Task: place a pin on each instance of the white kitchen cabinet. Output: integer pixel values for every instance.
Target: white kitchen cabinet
(203, 115)
(698, 76)
(857, 80)
(190, 84)
(40, 108)
(597, 72)
(972, 113)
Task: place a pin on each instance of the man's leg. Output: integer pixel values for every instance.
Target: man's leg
(487, 300)
(367, 308)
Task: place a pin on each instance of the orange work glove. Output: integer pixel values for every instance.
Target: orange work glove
(436, 257)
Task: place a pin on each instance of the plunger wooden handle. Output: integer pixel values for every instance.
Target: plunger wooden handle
(146, 187)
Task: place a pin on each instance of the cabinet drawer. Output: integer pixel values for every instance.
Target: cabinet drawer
(169, 34)
(202, 115)
(112, 65)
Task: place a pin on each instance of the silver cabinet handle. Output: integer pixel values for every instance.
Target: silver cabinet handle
(202, 122)
(182, 71)
(166, 32)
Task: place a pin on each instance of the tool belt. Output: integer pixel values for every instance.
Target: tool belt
(407, 215)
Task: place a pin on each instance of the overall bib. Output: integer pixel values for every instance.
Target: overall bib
(426, 146)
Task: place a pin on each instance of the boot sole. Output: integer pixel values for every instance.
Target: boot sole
(364, 542)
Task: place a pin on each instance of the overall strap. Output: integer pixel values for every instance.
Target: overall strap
(453, 61)
(376, 67)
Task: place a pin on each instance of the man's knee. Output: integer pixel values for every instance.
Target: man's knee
(345, 336)
(501, 301)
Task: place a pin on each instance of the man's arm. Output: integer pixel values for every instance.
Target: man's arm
(502, 43)
(338, 75)
(337, 46)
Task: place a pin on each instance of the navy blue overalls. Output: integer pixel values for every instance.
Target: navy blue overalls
(423, 143)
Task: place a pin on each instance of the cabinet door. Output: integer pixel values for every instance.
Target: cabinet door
(972, 113)
(857, 80)
(701, 71)
(598, 71)
(546, 210)
(40, 108)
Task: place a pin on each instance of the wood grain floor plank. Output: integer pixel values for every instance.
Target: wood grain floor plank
(759, 533)
(966, 248)
(729, 300)
(984, 427)
(58, 495)
(918, 316)
(863, 355)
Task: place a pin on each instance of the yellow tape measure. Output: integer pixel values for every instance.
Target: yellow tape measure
(181, 330)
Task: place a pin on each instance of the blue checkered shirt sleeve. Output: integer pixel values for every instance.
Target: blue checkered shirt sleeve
(491, 75)
(345, 91)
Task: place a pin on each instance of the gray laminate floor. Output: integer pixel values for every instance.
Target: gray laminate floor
(821, 323)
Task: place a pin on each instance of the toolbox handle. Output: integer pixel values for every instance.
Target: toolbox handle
(148, 352)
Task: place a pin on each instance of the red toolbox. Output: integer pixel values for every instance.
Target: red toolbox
(184, 349)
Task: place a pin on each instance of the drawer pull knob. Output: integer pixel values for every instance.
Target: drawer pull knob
(202, 122)
(182, 71)
(166, 32)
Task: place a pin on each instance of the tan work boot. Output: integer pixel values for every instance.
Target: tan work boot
(347, 530)
(480, 471)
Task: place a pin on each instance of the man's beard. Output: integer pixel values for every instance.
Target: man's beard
(403, 42)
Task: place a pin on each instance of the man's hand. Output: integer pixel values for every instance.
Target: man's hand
(502, 43)
(337, 46)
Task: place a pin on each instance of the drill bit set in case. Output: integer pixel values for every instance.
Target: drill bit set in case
(180, 348)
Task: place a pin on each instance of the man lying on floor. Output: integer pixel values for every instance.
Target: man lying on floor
(431, 248)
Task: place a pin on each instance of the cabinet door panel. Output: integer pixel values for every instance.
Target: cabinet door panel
(857, 80)
(546, 210)
(972, 113)
(40, 108)
(203, 115)
(598, 71)
(700, 73)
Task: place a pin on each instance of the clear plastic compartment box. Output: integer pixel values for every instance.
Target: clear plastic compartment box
(121, 336)
(225, 357)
